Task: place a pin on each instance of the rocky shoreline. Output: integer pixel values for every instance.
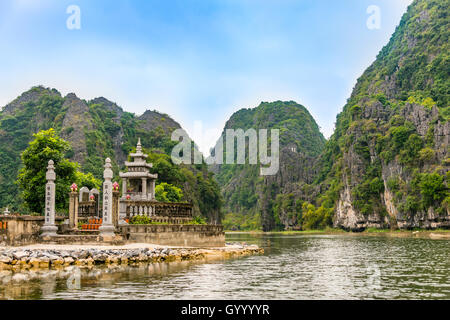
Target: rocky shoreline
(17, 259)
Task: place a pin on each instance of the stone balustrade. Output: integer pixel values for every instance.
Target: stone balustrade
(87, 209)
(155, 209)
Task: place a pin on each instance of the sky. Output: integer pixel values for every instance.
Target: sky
(197, 60)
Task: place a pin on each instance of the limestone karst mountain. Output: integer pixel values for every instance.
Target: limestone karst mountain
(387, 163)
(250, 199)
(95, 129)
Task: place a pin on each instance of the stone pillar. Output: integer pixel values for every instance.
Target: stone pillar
(73, 210)
(115, 207)
(144, 189)
(49, 228)
(124, 187)
(107, 227)
(153, 189)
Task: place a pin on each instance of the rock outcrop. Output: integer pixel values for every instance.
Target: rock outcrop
(390, 151)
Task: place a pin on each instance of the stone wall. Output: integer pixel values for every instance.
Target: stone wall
(175, 235)
(21, 230)
(25, 230)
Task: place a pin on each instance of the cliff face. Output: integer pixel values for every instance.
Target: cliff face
(249, 195)
(389, 154)
(76, 120)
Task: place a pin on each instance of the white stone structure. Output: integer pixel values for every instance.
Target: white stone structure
(138, 182)
(107, 227)
(49, 228)
(84, 194)
(94, 192)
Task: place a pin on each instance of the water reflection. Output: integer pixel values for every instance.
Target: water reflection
(293, 267)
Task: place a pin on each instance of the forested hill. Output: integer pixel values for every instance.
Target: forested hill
(97, 129)
(250, 198)
(387, 163)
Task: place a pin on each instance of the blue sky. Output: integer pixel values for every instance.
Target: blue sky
(195, 60)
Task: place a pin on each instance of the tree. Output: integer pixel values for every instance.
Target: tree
(166, 192)
(432, 188)
(31, 179)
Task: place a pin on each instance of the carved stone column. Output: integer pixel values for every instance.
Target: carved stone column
(107, 227)
(144, 189)
(124, 187)
(49, 228)
(115, 208)
(153, 189)
(73, 210)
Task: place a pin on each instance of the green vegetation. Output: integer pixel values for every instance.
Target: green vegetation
(378, 127)
(16, 130)
(241, 222)
(197, 220)
(31, 179)
(166, 192)
(140, 220)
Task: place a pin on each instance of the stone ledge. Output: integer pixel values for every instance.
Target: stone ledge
(82, 239)
(27, 218)
(22, 259)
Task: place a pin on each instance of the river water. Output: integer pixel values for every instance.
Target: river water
(292, 267)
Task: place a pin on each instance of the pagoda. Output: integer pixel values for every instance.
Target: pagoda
(138, 184)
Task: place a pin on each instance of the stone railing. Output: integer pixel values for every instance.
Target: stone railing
(86, 209)
(158, 210)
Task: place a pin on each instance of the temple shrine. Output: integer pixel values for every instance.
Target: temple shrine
(112, 215)
(137, 182)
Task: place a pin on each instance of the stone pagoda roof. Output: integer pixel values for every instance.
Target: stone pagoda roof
(138, 175)
(138, 168)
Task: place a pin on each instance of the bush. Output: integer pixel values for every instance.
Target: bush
(31, 179)
(166, 192)
(316, 218)
(198, 220)
(426, 154)
(393, 183)
(432, 188)
(140, 220)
